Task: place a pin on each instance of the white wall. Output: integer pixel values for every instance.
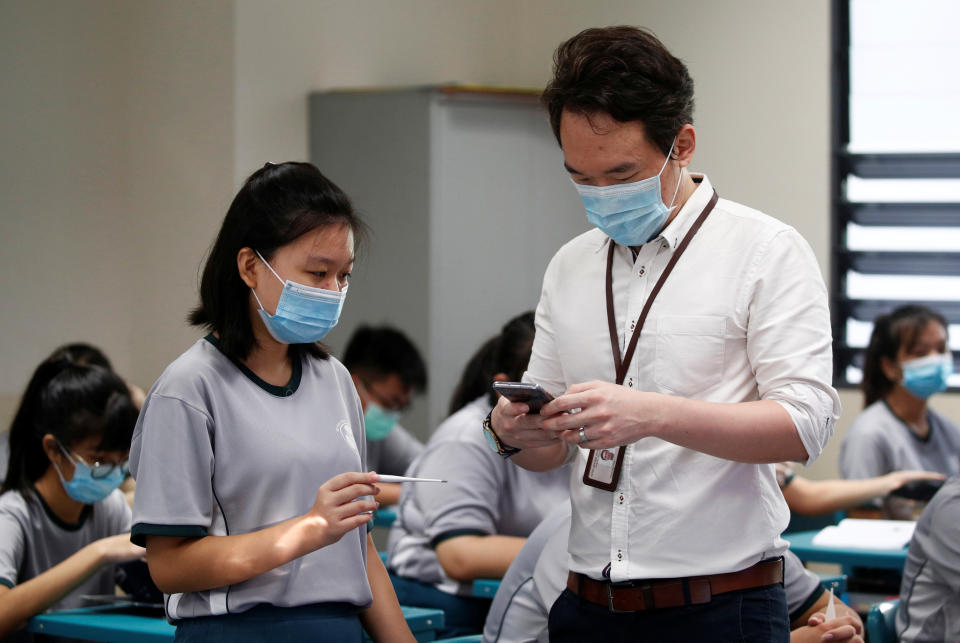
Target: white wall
(126, 127)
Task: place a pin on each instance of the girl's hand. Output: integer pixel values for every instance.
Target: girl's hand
(117, 549)
(337, 509)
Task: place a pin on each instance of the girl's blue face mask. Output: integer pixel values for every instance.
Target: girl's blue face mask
(83, 487)
(631, 213)
(925, 376)
(304, 314)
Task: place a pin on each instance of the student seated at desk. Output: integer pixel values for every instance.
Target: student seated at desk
(930, 592)
(386, 369)
(447, 535)
(63, 522)
(537, 576)
(906, 362)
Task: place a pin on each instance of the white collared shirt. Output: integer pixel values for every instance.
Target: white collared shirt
(743, 317)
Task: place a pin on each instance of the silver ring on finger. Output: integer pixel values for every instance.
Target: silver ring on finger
(583, 435)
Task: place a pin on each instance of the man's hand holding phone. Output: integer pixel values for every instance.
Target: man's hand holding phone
(516, 418)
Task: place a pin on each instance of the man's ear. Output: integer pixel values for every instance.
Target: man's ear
(247, 266)
(685, 146)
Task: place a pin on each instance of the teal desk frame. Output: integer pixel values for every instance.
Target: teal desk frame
(801, 544)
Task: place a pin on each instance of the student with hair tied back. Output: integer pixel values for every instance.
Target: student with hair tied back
(687, 334)
(907, 361)
(252, 490)
(63, 521)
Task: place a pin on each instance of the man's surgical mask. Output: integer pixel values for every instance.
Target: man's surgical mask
(304, 314)
(379, 422)
(925, 376)
(631, 213)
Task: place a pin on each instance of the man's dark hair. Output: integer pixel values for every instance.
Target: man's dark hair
(900, 328)
(277, 204)
(377, 352)
(625, 72)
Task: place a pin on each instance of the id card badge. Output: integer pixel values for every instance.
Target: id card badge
(603, 468)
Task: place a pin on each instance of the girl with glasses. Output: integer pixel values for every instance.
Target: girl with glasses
(63, 521)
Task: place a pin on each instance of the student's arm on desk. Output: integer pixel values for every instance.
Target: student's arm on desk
(196, 564)
(383, 620)
(811, 627)
(389, 493)
(33, 596)
(813, 497)
(466, 558)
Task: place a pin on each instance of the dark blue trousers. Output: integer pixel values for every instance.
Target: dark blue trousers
(334, 622)
(757, 615)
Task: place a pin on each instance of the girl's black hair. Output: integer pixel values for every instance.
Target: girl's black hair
(72, 402)
(277, 204)
(506, 353)
(83, 354)
(900, 328)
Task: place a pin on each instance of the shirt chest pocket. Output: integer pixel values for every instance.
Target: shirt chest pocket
(689, 353)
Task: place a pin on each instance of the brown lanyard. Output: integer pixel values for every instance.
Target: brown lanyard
(603, 471)
(622, 364)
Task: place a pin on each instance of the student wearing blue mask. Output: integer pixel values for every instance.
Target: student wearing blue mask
(387, 370)
(63, 521)
(906, 362)
(252, 491)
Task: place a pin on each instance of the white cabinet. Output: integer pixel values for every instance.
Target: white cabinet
(466, 196)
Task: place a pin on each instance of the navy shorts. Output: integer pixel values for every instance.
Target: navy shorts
(319, 622)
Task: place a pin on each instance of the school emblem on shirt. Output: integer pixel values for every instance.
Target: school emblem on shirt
(347, 434)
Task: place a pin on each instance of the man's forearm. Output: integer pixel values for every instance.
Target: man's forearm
(542, 458)
(760, 432)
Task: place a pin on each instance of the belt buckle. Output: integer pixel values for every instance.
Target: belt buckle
(610, 588)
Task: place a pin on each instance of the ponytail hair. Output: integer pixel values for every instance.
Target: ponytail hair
(506, 353)
(898, 329)
(73, 403)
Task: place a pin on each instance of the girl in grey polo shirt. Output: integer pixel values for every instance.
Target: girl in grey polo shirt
(249, 454)
(63, 521)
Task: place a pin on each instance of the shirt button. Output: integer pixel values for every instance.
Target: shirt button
(642, 270)
(621, 498)
(632, 324)
(630, 383)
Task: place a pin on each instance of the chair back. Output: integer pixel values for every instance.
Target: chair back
(882, 622)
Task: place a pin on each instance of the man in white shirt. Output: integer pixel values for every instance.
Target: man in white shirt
(688, 341)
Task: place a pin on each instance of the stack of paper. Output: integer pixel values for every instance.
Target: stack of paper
(867, 534)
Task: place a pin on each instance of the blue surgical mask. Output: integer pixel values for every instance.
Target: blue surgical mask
(304, 314)
(379, 422)
(83, 487)
(925, 376)
(631, 213)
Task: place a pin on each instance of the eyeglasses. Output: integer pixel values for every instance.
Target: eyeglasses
(99, 470)
(381, 400)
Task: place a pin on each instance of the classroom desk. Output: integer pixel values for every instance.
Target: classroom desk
(113, 625)
(385, 516)
(801, 544)
(486, 587)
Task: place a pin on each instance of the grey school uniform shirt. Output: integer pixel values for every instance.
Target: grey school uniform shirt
(538, 575)
(217, 451)
(879, 442)
(33, 539)
(930, 591)
(485, 495)
(393, 454)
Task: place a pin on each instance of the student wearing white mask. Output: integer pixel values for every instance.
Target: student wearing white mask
(249, 453)
(906, 362)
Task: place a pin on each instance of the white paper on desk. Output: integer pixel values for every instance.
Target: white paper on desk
(857, 533)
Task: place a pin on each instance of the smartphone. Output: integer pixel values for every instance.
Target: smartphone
(532, 395)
